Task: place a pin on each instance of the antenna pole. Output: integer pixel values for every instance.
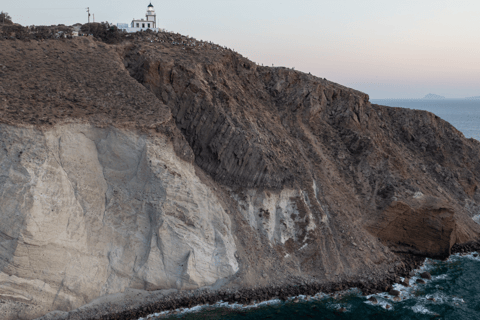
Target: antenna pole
(88, 11)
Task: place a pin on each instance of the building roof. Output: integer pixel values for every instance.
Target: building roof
(150, 5)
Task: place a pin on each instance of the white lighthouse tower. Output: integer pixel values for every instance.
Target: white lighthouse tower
(150, 22)
(151, 16)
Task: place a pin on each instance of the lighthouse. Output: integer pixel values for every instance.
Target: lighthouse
(151, 16)
(150, 22)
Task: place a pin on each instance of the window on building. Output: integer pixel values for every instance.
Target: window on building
(143, 25)
(138, 25)
(149, 25)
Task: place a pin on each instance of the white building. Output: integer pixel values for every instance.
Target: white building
(150, 22)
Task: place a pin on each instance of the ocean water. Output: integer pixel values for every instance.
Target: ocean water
(452, 293)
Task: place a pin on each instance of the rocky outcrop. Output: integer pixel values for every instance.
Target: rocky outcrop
(166, 163)
(426, 227)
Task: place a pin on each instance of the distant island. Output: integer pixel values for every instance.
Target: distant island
(472, 98)
(433, 96)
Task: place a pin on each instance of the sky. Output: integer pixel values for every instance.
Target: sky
(387, 49)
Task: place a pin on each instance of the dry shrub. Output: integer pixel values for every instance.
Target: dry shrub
(104, 32)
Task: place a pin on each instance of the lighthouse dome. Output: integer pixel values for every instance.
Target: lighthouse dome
(150, 10)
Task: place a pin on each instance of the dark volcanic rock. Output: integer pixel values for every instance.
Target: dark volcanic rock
(373, 300)
(395, 293)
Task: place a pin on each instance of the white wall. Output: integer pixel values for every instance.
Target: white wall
(133, 30)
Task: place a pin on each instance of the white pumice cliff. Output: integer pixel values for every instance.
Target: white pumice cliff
(88, 212)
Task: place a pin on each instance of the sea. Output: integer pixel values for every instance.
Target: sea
(452, 293)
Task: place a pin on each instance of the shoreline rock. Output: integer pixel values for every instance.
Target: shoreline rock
(245, 296)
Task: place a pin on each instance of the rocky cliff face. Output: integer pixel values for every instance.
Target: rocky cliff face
(255, 127)
(168, 163)
(88, 212)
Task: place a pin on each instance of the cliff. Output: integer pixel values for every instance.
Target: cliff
(164, 162)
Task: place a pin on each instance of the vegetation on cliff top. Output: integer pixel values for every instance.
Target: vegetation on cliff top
(5, 18)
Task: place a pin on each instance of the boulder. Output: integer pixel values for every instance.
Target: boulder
(373, 300)
(425, 227)
(393, 292)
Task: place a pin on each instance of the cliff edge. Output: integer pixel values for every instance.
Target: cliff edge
(167, 163)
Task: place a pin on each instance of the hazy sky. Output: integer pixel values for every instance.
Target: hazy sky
(388, 49)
